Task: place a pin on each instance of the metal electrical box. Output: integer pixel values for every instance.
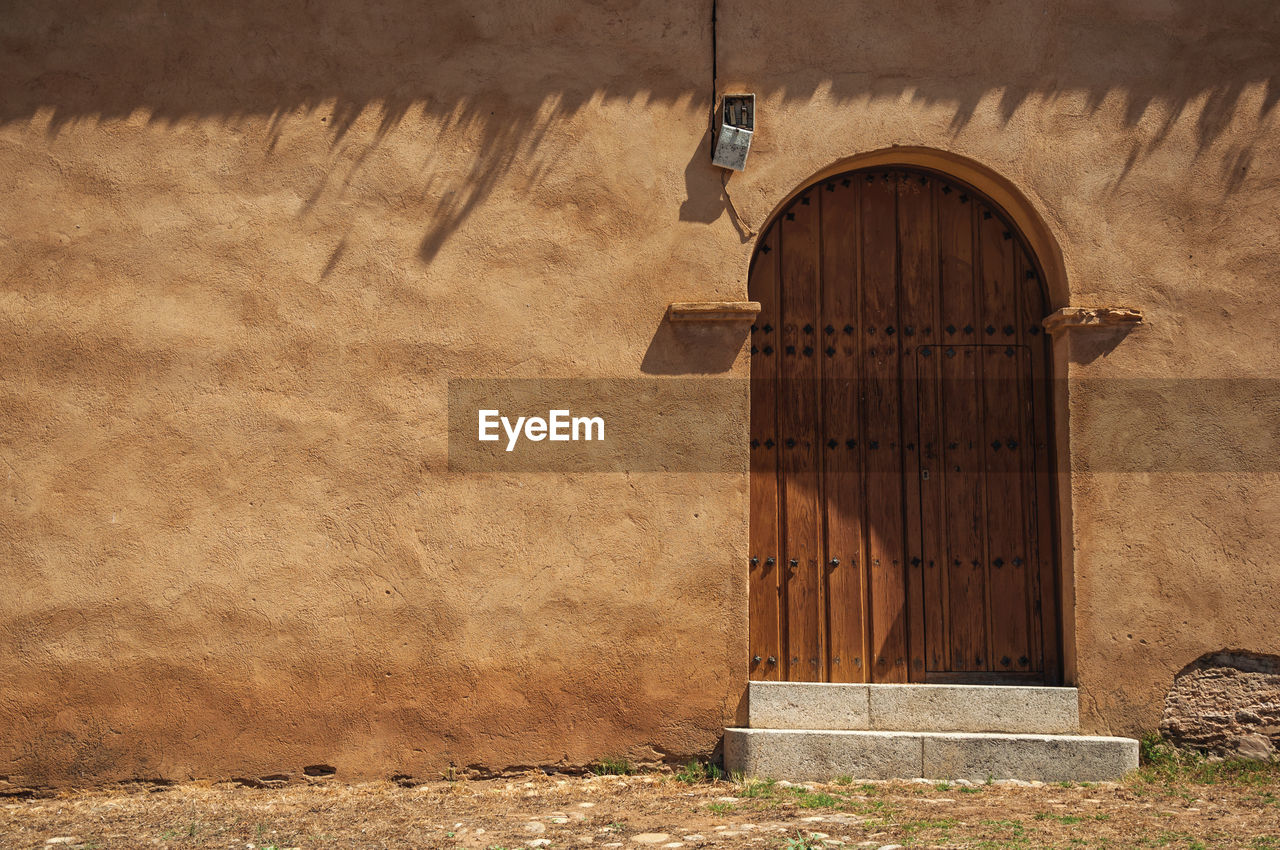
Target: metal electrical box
(737, 123)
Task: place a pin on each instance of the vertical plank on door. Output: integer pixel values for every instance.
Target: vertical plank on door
(962, 453)
(999, 291)
(918, 315)
(1031, 519)
(882, 427)
(956, 260)
(1045, 595)
(933, 530)
(842, 484)
(966, 597)
(765, 590)
(798, 432)
(1007, 565)
(1004, 568)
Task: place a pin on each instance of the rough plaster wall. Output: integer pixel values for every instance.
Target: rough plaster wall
(245, 246)
(1226, 703)
(241, 259)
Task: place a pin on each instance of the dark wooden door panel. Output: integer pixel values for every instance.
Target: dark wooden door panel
(882, 428)
(798, 415)
(765, 590)
(1041, 534)
(965, 514)
(845, 587)
(918, 282)
(932, 609)
(901, 502)
(1006, 479)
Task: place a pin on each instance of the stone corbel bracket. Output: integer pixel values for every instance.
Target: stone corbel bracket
(713, 311)
(1099, 318)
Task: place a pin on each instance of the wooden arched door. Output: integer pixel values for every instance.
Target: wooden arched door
(901, 509)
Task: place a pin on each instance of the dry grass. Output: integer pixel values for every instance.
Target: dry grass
(1175, 807)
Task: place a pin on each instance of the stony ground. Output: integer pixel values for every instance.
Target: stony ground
(1170, 808)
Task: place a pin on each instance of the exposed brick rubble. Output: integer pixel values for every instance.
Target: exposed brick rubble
(1226, 703)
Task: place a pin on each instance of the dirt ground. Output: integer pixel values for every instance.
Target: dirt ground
(657, 810)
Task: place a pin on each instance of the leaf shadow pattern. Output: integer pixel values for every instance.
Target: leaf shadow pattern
(502, 145)
(507, 71)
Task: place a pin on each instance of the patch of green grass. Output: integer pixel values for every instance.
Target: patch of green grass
(942, 786)
(613, 767)
(698, 771)
(816, 799)
(970, 789)
(721, 808)
(1155, 751)
(758, 788)
(1237, 771)
(1015, 827)
(1163, 763)
(1265, 842)
(803, 842)
(843, 780)
(867, 807)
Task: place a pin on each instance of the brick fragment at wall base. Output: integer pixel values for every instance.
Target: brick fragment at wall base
(1226, 703)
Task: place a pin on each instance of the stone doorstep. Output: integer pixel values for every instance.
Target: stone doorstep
(913, 708)
(807, 755)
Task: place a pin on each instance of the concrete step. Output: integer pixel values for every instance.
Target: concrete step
(801, 755)
(913, 708)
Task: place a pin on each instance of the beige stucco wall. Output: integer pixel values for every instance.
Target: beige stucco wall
(244, 249)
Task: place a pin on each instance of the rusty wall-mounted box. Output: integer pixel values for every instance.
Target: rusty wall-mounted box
(737, 123)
